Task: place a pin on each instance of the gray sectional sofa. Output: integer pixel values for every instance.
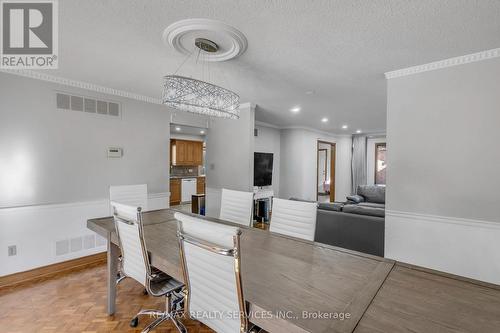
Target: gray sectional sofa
(357, 224)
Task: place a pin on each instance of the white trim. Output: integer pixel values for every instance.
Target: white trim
(264, 124)
(461, 60)
(82, 85)
(465, 247)
(61, 205)
(49, 206)
(444, 219)
(310, 129)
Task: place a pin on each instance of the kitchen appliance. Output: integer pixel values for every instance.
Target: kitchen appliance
(188, 188)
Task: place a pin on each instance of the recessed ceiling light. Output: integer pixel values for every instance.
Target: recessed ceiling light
(324, 120)
(358, 131)
(202, 132)
(295, 109)
(177, 128)
(344, 126)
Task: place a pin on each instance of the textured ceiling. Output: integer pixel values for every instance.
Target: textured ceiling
(339, 49)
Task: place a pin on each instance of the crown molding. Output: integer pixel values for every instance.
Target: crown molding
(264, 124)
(461, 60)
(310, 129)
(81, 84)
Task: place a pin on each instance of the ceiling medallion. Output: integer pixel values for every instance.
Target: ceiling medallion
(211, 41)
(181, 35)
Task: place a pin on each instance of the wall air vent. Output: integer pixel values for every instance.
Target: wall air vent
(77, 244)
(87, 104)
(90, 105)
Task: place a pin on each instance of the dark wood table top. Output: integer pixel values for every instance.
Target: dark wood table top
(417, 300)
(280, 274)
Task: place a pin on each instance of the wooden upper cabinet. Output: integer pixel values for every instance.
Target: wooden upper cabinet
(198, 153)
(185, 152)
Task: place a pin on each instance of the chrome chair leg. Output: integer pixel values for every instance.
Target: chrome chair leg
(155, 323)
(151, 313)
(178, 324)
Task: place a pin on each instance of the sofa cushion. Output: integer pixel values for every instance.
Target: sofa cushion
(372, 204)
(363, 210)
(335, 206)
(372, 193)
(355, 198)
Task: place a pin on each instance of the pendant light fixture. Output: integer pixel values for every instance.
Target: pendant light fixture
(198, 95)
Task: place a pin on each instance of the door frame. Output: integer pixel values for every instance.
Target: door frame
(333, 158)
(326, 161)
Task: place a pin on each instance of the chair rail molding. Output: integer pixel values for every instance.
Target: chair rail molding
(465, 247)
(461, 60)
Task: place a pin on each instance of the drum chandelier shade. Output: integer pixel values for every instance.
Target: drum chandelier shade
(191, 95)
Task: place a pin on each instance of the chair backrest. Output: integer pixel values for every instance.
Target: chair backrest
(236, 206)
(133, 195)
(210, 257)
(128, 223)
(294, 218)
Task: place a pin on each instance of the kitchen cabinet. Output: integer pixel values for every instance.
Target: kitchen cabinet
(175, 191)
(186, 152)
(200, 185)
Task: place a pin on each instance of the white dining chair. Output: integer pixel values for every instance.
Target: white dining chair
(134, 195)
(294, 218)
(210, 260)
(236, 206)
(135, 264)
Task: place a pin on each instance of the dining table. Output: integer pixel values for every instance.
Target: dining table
(295, 285)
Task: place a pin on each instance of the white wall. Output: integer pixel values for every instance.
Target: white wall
(268, 141)
(229, 156)
(370, 158)
(442, 176)
(49, 155)
(54, 172)
(298, 163)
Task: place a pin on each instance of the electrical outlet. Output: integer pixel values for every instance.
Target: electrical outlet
(12, 250)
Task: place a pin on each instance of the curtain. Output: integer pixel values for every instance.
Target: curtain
(358, 162)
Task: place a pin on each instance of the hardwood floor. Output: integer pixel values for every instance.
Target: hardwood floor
(75, 302)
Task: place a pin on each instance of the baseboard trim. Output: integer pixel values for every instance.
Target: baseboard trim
(51, 270)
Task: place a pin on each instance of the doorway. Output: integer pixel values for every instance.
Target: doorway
(325, 171)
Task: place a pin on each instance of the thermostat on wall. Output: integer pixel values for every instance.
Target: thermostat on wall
(115, 152)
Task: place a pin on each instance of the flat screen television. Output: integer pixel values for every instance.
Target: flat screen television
(262, 169)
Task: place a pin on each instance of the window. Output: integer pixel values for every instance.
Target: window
(380, 163)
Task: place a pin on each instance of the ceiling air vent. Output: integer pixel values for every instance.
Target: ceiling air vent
(87, 104)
